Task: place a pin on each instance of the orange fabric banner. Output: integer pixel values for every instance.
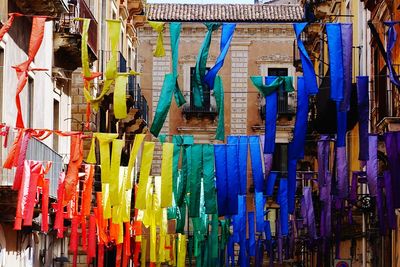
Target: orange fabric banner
(6, 27)
(22, 69)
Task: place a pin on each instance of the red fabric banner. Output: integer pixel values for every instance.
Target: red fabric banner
(22, 69)
(45, 206)
(87, 190)
(12, 157)
(91, 253)
(6, 27)
(21, 160)
(73, 242)
(59, 220)
(76, 157)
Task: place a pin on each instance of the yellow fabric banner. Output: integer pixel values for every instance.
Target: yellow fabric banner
(147, 158)
(84, 48)
(91, 158)
(166, 175)
(181, 250)
(121, 81)
(105, 190)
(143, 252)
(104, 140)
(132, 158)
(115, 184)
(158, 27)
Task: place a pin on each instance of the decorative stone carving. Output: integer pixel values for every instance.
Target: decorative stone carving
(276, 58)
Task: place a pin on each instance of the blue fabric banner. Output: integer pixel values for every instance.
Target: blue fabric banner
(256, 163)
(221, 179)
(260, 203)
(335, 50)
(296, 147)
(271, 112)
(390, 44)
(242, 142)
(242, 231)
(347, 44)
(233, 178)
(308, 67)
(267, 229)
(226, 37)
(252, 236)
(283, 206)
(270, 184)
(341, 126)
(291, 184)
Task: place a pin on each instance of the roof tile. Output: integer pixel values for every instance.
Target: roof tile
(224, 12)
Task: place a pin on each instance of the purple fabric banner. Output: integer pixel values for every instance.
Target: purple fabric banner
(372, 165)
(323, 157)
(347, 43)
(342, 173)
(363, 113)
(389, 200)
(326, 198)
(381, 210)
(392, 143)
(309, 212)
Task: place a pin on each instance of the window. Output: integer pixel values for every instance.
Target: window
(284, 102)
(280, 158)
(206, 93)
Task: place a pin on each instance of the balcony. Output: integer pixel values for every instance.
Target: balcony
(52, 8)
(286, 105)
(67, 39)
(36, 151)
(189, 110)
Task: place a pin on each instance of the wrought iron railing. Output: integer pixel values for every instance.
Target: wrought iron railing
(69, 24)
(39, 151)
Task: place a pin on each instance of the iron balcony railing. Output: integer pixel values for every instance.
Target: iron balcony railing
(69, 24)
(286, 104)
(39, 151)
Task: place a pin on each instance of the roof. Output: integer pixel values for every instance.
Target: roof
(224, 12)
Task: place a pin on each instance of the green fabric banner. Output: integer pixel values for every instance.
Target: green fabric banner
(281, 81)
(201, 62)
(170, 85)
(219, 98)
(210, 197)
(195, 180)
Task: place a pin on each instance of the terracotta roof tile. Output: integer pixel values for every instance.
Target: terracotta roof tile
(224, 12)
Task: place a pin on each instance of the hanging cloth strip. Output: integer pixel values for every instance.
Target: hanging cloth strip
(74, 242)
(166, 175)
(252, 237)
(14, 152)
(323, 159)
(219, 99)
(76, 157)
(390, 200)
(260, 204)
(392, 143)
(335, 49)
(91, 253)
(226, 167)
(115, 180)
(137, 143)
(372, 165)
(21, 160)
(37, 33)
(195, 181)
(380, 206)
(87, 190)
(170, 85)
(363, 113)
(296, 147)
(6, 26)
(390, 44)
(347, 44)
(210, 197)
(269, 188)
(342, 173)
(256, 163)
(291, 184)
(45, 206)
(273, 84)
(145, 169)
(226, 37)
(181, 252)
(326, 198)
(308, 67)
(283, 207)
(200, 68)
(309, 212)
(242, 142)
(158, 27)
(59, 218)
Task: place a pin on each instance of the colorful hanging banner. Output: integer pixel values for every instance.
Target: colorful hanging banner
(200, 68)
(195, 181)
(226, 37)
(283, 207)
(342, 173)
(372, 165)
(269, 188)
(363, 115)
(219, 99)
(210, 197)
(260, 204)
(347, 44)
(166, 175)
(147, 158)
(271, 113)
(309, 212)
(243, 154)
(335, 49)
(308, 66)
(392, 143)
(273, 84)
(6, 26)
(256, 163)
(390, 44)
(158, 27)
